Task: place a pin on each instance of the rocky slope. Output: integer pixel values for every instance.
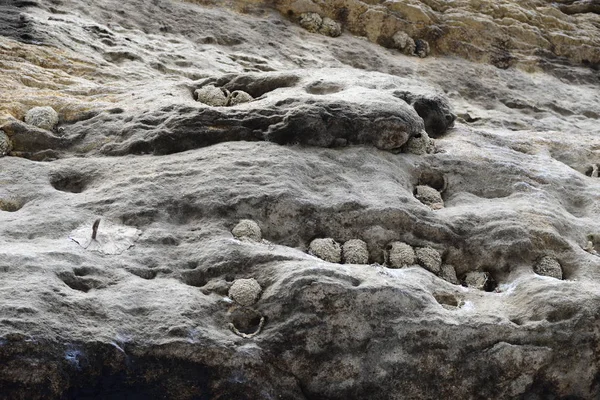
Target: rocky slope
(473, 184)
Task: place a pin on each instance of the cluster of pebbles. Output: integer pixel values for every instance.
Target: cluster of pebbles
(398, 255)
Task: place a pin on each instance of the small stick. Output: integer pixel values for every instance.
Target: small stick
(95, 228)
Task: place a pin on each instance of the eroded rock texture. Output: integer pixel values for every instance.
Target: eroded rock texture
(494, 295)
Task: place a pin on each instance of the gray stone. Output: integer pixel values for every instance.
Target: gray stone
(476, 280)
(42, 117)
(212, 96)
(239, 97)
(548, 266)
(448, 273)
(245, 292)
(404, 43)
(330, 28)
(326, 249)
(355, 252)
(420, 145)
(429, 258)
(247, 229)
(401, 255)
(311, 21)
(429, 196)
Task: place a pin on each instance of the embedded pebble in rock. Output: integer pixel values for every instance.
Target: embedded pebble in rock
(355, 252)
(330, 28)
(420, 145)
(401, 255)
(404, 43)
(247, 229)
(239, 97)
(212, 96)
(311, 21)
(422, 48)
(448, 273)
(245, 292)
(476, 280)
(429, 258)
(548, 266)
(326, 249)
(5, 145)
(42, 117)
(429, 196)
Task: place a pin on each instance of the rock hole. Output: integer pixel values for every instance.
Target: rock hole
(517, 321)
(246, 320)
(434, 179)
(194, 277)
(82, 271)
(75, 282)
(447, 299)
(562, 313)
(491, 284)
(592, 171)
(69, 181)
(11, 205)
(143, 273)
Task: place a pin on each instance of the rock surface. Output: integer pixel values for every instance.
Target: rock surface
(313, 155)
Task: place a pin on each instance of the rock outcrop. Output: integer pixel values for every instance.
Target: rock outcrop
(327, 137)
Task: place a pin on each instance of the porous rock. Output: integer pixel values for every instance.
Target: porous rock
(239, 97)
(245, 292)
(247, 229)
(42, 117)
(548, 266)
(355, 251)
(5, 145)
(429, 258)
(428, 195)
(434, 109)
(326, 249)
(404, 43)
(212, 96)
(401, 255)
(477, 279)
(420, 145)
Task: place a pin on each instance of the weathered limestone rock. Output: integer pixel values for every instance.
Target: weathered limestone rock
(401, 255)
(548, 266)
(247, 229)
(42, 117)
(330, 28)
(326, 249)
(429, 258)
(420, 145)
(312, 22)
(355, 251)
(245, 292)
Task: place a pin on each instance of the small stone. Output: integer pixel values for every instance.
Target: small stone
(448, 274)
(429, 196)
(326, 249)
(476, 280)
(548, 266)
(420, 145)
(422, 48)
(239, 97)
(404, 43)
(245, 292)
(401, 255)
(247, 229)
(5, 144)
(355, 252)
(212, 96)
(330, 28)
(42, 117)
(430, 259)
(311, 21)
